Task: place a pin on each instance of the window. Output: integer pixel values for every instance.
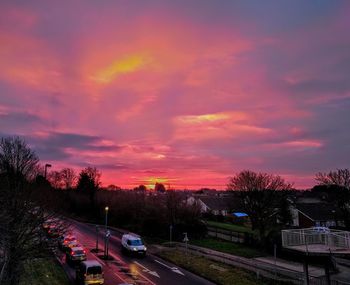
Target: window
(136, 242)
(94, 270)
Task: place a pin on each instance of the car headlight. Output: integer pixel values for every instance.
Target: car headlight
(134, 248)
(145, 248)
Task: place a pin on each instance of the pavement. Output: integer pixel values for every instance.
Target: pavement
(294, 266)
(267, 266)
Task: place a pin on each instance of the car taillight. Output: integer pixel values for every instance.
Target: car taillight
(72, 253)
(84, 251)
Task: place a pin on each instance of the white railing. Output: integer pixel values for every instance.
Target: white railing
(310, 236)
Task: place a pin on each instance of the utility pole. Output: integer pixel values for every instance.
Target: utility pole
(97, 228)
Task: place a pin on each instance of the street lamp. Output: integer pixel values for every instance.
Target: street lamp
(46, 167)
(106, 219)
(106, 210)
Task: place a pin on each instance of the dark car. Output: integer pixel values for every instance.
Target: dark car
(75, 254)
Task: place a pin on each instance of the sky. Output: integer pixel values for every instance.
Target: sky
(186, 93)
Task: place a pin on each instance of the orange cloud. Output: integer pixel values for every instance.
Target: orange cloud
(299, 144)
(216, 126)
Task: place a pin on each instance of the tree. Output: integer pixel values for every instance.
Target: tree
(69, 178)
(55, 179)
(159, 187)
(89, 183)
(260, 196)
(21, 213)
(337, 185)
(340, 177)
(140, 188)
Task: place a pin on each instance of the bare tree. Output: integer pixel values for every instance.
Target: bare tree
(55, 179)
(22, 211)
(340, 177)
(338, 190)
(69, 177)
(260, 196)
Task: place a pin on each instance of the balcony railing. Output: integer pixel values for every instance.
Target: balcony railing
(304, 237)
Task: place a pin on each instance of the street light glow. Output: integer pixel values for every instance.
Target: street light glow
(106, 209)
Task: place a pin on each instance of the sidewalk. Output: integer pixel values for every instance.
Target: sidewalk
(294, 266)
(283, 272)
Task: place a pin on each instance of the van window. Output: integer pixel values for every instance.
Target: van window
(94, 270)
(136, 242)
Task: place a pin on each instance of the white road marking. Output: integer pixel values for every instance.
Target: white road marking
(154, 273)
(122, 279)
(173, 269)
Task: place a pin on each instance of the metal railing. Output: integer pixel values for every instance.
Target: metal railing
(311, 236)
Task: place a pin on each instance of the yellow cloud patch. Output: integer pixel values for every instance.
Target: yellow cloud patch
(211, 118)
(123, 66)
(204, 118)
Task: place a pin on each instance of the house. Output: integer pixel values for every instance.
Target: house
(315, 214)
(216, 205)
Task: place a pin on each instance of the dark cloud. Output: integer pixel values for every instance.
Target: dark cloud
(54, 145)
(105, 166)
(19, 118)
(319, 86)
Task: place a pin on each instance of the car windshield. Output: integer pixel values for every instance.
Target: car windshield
(79, 252)
(94, 270)
(136, 242)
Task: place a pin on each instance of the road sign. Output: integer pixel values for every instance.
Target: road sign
(186, 238)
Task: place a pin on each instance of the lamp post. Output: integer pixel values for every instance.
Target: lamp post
(170, 233)
(106, 219)
(96, 238)
(46, 167)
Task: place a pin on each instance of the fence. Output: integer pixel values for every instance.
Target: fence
(310, 236)
(230, 235)
(260, 268)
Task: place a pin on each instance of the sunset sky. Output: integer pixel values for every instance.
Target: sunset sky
(185, 93)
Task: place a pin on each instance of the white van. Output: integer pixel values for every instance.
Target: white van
(133, 243)
(89, 272)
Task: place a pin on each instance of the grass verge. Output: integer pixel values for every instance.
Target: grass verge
(230, 227)
(216, 272)
(228, 247)
(43, 271)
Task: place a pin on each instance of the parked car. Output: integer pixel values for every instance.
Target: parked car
(71, 244)
(132, 243)
(53, 231)
(75, 254)
(89, 272)
(48, 223)
(64, 240)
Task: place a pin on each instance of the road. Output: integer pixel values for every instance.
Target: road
(149, 270)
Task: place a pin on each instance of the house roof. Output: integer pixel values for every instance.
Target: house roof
(318, 211)
(216, 203)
